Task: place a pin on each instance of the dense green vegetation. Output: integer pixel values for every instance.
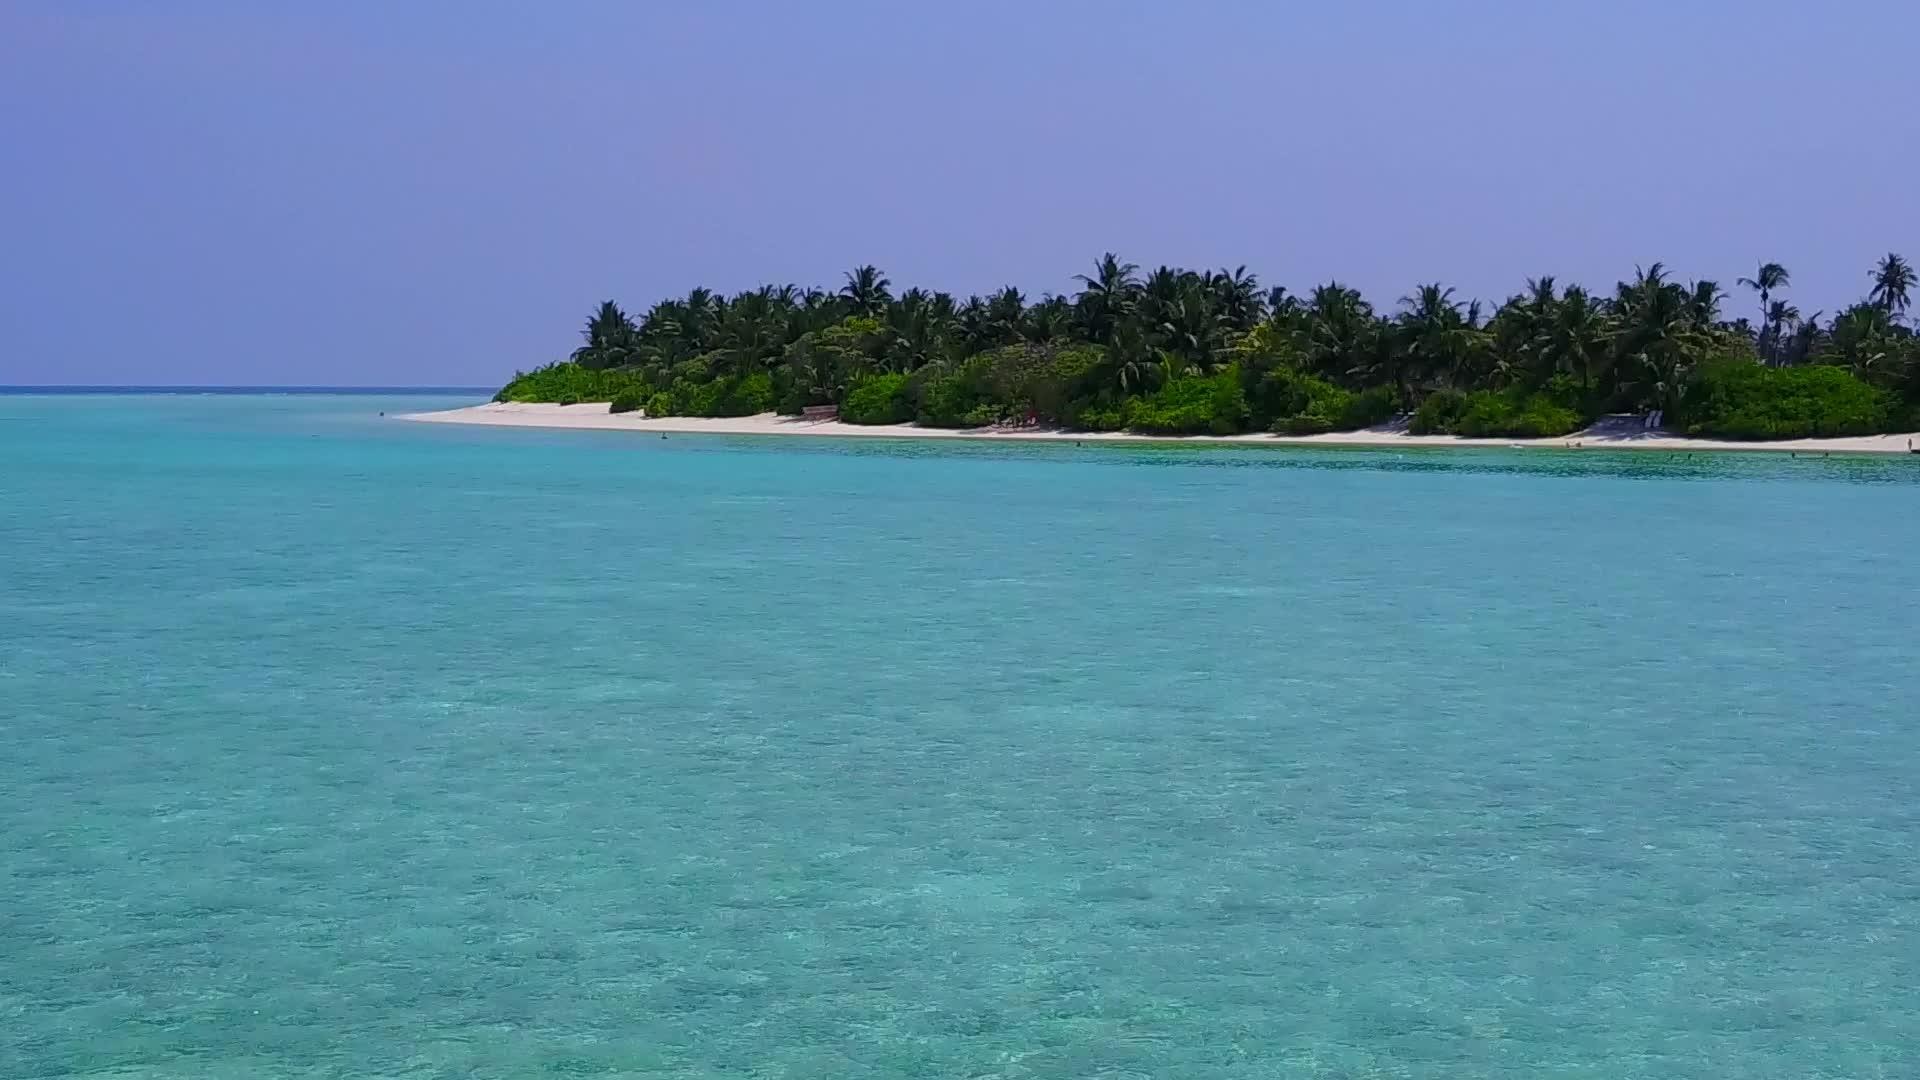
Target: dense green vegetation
(1185, 352)
(1747, 401)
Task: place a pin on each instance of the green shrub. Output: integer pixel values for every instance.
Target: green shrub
(755, 394)
(1291, 402)
(745, 395)
(1301, 424)
(660, 404)
(1192, 405)
(1374, 405)
(1096, 416)
(1483, 414)
(1052, 382)
(1031, 377)
(1438, 413)
(820, 364)
(1545, 420)
(628, 400)
(1564, 391)
(878, 399)
(691, 398)
(1294, 403)
(944, 401)
(1069, 374)
(694, 370)
(792, 399)
(1510, 414)
(1734, 400)
(1490, 415)
(568, 383)
(956, 398)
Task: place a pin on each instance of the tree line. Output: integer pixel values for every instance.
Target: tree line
(1179, 350)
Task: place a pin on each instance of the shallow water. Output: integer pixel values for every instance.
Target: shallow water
(336, 746)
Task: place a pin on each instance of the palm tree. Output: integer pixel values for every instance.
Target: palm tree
(1765, 281)
(1281, 303)
(1862, 339)
(660, 328)
(1441, 339)
(1339, 333)
(1163, 286)
(819, 309)
(1131, 360)
(1780, 315)
(1704, 302)
(1513, 347)
(1107, 298)
(702, 305)
(1769, 277)
(610, 338)
(751, 333)
(1111, 277)
(1236, 296)
(1659, 340)
(1806, 341)
(972, 325)
(912, 332)
(1178, 313)
(1006, 314)
(866, 291)
(1893, 281)
(1517, 336)
(1578, 336)
(943, 317)
(1540, 297)
(1049, 320)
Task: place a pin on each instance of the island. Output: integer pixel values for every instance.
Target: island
(1175, 353)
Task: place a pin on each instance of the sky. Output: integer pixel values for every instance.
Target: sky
(369, 193)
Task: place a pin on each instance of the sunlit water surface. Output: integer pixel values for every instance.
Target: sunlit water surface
(332, 746)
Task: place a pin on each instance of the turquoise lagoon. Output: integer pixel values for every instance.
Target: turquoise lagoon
(335, 746)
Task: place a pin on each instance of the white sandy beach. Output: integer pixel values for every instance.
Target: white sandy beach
(1605, 435)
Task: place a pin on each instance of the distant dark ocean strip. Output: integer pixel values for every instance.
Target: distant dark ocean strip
(254, 390)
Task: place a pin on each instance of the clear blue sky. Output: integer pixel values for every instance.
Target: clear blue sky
(379, 193)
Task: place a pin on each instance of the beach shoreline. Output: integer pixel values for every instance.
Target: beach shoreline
(590, 416)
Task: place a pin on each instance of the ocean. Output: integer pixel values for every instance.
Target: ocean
(336, 746)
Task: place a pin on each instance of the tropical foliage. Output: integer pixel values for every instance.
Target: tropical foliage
(878, 399)
(571, 383)
(1183, 351)
(1747, 401)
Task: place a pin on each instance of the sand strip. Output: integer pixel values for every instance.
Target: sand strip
(1606, 435)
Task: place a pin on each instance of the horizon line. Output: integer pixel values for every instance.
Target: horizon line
(231, 387)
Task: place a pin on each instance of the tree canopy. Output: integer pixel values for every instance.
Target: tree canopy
(1174, 349)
